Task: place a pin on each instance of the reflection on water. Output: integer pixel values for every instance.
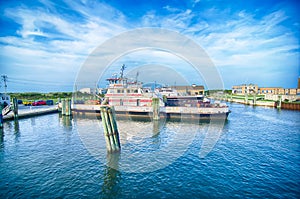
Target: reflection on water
(257, 156)
(1, 137)
(66, 121)
(17, 129)
(157, 127)
(112, 176)
(16, 126)
(32, 121)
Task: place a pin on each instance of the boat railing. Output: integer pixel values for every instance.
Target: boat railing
(6, 110)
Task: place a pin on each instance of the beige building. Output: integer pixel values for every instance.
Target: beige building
(279, 91)
(291, 91)
(245, 89)
(189, 90)
(253, 88)
(271, 90)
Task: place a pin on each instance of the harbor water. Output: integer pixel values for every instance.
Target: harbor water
(257, 155)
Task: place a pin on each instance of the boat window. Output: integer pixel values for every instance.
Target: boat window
(128, 91)
(118, 91)
(138, 102)
(135, 91)
(121, 102)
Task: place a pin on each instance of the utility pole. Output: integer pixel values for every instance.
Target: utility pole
(4, 79)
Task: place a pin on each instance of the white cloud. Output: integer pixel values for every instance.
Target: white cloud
(172, 9)
(60, 41)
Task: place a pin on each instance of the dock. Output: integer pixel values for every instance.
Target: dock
(132, 111)
(31, 112)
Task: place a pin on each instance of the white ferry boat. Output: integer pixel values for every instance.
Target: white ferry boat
(131, 98)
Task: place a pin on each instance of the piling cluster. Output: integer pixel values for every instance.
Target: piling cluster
(110, 128)
(66, 107)
(15, 107)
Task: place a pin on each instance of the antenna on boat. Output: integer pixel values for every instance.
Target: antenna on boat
(122, 70)
(136, 76)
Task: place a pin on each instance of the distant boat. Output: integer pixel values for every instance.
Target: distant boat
(4, 99)
(5, 103)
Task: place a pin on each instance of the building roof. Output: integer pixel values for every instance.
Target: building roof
(188, 87)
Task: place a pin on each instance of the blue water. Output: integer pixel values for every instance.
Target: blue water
(256, 156)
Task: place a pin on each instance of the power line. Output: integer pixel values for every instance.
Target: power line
(31, 81)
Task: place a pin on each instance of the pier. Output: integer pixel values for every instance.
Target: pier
(24, 112)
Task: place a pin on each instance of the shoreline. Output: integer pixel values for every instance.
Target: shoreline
(252, 101)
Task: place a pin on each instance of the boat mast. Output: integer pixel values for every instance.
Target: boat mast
(122, 70)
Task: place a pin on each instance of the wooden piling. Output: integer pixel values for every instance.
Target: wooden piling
(63, 107)
(68, 107)
(105, 130)
(279, 102)
(1, 116)
(254, 100)
(155, 107)
(15, 108)
(59, 102)
(110, 128)
(115, 132)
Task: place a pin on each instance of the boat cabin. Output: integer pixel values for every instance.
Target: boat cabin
(4, 99)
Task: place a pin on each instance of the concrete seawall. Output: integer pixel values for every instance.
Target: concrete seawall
(259, 102)
(251, 102)
(290, 106)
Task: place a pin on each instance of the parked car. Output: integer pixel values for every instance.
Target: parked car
(20, 102)
(28, 103)
(39, 102)
(49, 102)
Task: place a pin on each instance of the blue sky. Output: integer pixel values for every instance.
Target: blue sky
(43, 44)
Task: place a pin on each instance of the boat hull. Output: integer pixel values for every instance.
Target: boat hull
(192, 113)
